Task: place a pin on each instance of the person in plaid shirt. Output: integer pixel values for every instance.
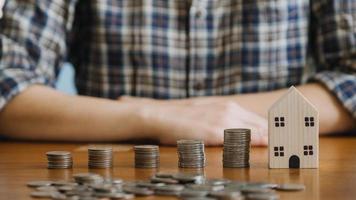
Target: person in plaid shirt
(170, 69)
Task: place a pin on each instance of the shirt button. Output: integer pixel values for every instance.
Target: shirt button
(345, 22)
(198, 86)
(199, 13)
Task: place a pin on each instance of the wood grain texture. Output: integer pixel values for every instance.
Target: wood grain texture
(335, 179)
(287, 130)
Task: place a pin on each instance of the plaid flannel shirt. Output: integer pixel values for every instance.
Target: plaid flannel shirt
(179, 48)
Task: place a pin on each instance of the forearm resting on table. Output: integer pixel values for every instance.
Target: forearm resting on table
(334, 118)
(41, 113)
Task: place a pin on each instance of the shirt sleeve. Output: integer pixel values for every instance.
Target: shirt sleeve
(33, 38)
(333, 38)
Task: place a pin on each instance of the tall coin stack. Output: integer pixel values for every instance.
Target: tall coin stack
(100, 157)
(59, 160)
(236, 151)
(146, 156)
(191, 153)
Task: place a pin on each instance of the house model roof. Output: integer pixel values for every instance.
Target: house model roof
(292, 91)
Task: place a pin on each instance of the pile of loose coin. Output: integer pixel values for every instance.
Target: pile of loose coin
(59, 160)
(186, 186)
(146, 156)
(191, 154)
(100, 157)
(236, 150)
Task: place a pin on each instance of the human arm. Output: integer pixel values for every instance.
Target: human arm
(40, 113)
(332, 88)
(333, 116)
(206, 117)
(33, 46)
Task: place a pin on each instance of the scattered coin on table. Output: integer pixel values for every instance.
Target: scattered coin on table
(192, 186)
(91, 186)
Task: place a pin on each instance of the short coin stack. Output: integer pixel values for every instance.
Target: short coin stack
(59, 160)
(191, 153)
(236, 151)
(146, 156)
(100, 157)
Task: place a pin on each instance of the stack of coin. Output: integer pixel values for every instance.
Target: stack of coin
(59, 160)
(236, 151)
(146, 156)
(100, 157)
(191, 154)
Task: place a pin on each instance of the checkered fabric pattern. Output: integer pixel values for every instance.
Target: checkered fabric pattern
(178, 48)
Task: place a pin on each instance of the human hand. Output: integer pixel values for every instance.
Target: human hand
(199, 118)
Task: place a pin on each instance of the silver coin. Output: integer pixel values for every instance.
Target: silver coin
(39, 183)
(167, 193)
(41, 194)
(63, 183)
(149, 185)
(126, 196)
(172, 187)
(290, 187)
(205, 187)
(255, 189)
(139, 191)
(226, 194)
(47, 188)
(58, 196)
(188, 178)
(156, 179)
(263, 185)
(58, 153)
(193, 193)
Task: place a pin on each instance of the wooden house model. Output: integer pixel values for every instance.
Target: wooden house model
(293, 132)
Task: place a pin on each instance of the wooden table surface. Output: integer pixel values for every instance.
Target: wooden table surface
(21, 162)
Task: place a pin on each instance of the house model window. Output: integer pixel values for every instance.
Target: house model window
(279, 151)
(309, 121)
(279, 121)
(308, 150)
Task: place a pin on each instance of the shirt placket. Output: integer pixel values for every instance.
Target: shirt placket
(197, 35)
